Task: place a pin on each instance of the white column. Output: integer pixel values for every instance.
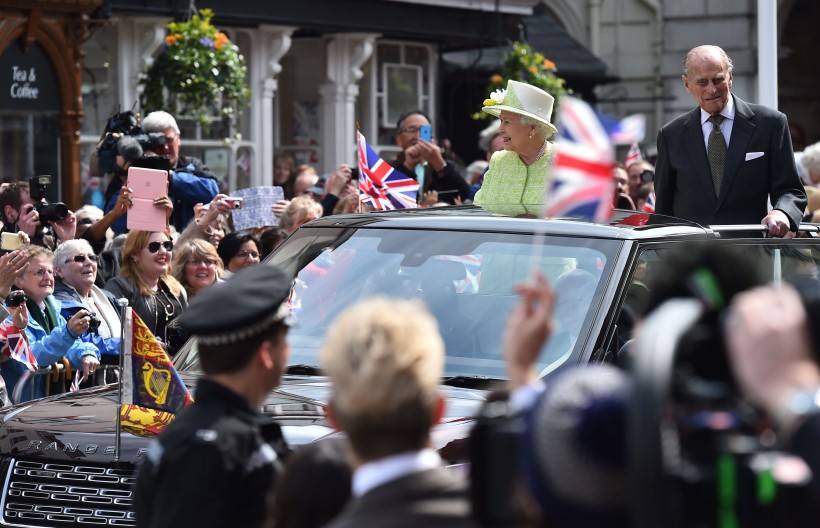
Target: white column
(137, 40)
(767, 53)
(270, 44)
(346, 53)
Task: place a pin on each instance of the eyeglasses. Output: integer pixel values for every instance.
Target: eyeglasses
(42, 272)
(79, 259)
(153, 247)
(244, 255)
(410, 130)
(197, 263)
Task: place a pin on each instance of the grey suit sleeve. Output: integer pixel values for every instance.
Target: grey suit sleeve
(664, 179)
(786, 189)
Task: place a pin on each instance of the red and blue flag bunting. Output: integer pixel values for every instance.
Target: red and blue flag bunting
(581, 183)
(382, 186)
(649, 205)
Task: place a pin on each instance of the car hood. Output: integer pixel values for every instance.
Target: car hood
(82, 425)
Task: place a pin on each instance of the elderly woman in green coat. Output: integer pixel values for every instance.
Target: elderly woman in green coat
(518, 176)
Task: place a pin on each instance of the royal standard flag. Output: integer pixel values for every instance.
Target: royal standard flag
(149, 378)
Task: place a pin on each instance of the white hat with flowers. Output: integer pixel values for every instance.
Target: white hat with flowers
(522, 98)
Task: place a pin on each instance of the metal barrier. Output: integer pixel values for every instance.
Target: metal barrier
(60, 375)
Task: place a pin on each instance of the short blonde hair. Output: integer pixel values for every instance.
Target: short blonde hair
(385, 359)
(297, 210)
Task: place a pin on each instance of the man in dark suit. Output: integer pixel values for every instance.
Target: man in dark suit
(385, 360)
(719, 163)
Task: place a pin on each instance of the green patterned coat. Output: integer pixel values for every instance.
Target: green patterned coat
(512, 188)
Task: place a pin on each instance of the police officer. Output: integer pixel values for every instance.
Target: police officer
(215, 463)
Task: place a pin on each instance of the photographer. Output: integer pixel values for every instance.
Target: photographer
(191, 182)
(639, 172)
(25, 208)
(75, 267)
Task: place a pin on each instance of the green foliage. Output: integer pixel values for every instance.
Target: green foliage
(522, 64)
(198, 72)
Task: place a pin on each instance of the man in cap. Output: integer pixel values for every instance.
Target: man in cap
(215, 464)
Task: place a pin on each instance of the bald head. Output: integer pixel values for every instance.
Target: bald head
(710, 53)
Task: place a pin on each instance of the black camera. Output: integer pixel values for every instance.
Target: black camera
(16, 298)
(150, 140)
(647, 176)
(49, 212)
(93, 321)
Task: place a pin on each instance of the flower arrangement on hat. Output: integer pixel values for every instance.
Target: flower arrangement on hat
(524, 65)
(199, 71)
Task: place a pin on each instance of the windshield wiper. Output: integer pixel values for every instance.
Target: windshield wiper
(304, 370)
(469, 382)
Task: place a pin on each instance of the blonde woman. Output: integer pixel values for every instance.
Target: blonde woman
(145, 279)
(196, 266)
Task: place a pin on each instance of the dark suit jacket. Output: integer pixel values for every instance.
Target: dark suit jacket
(683, 181)
(431, 498)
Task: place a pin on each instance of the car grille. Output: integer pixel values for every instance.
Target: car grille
(48, 494)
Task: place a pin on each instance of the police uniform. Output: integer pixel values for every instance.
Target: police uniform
(216, 463)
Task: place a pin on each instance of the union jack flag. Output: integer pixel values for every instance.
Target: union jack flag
(649, 205)
(633, 155)
(15, 346)
(581, 183)
(382, 186)
(75, 383)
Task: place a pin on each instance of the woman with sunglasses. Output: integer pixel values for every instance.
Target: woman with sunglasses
(238, 250)
(75, 267)
(145, 279)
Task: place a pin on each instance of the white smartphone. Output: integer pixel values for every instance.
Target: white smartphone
(10, 241)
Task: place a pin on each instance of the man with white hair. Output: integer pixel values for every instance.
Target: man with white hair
(385, 360)
(191, 182)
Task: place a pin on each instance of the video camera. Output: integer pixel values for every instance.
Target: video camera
(119, 125)
(49, 212)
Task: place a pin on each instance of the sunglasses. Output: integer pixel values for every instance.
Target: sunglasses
(79, 259)
(153, 247)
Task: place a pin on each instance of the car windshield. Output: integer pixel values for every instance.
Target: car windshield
(466, 279)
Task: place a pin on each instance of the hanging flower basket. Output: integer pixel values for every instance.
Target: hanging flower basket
(197, 73)
(522, 64)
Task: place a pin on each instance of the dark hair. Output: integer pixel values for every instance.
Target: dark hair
(225, 359)
(229, 246)
(12, 195)
(408, 114)
(268, 241)
(319, 465)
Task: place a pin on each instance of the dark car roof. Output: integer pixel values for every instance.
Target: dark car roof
(623, 225)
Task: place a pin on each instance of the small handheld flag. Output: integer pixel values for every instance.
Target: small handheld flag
(581, 184)
(633, 155)
(15, 346)
(382, 186)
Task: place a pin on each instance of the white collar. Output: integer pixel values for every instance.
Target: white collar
(728, 111)
(373, 474)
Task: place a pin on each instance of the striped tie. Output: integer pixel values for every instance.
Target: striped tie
(716, 151)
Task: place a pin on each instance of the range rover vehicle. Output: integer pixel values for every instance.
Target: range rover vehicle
(57, 454)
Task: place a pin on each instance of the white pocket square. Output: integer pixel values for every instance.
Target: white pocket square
(753, 155)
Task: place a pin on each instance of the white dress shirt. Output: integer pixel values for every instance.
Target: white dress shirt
(728, 113)
(373, 474)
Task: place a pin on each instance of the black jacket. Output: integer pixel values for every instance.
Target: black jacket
(449, 180)
(214, 465)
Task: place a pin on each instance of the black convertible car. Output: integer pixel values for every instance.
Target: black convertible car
(57, 454)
